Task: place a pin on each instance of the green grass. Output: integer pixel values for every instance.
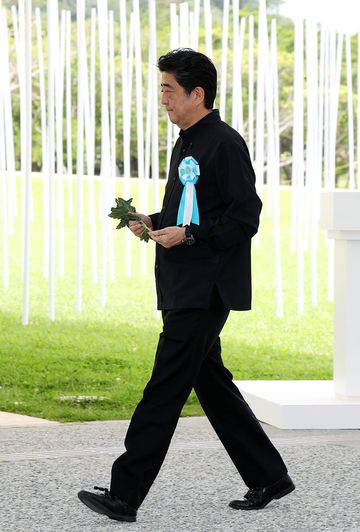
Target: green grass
(94, 364)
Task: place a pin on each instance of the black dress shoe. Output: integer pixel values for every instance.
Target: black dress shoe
(108, 504)
(257, 498)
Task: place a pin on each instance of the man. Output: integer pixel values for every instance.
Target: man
(203, 233)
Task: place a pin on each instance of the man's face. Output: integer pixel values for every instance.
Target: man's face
(180, 106)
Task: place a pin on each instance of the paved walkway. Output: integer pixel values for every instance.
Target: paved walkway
(43, 466)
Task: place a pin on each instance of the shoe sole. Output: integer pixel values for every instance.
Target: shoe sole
(111, 515)
(277, 496)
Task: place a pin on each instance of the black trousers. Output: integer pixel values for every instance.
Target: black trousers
(189, 356)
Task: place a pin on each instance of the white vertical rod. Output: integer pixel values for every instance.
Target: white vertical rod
(43, 143)
(335, 76)
(154, 110)
(358, 112)
(184, 25)
(149, 97)
(105, 141)
(139, 90)
(273, 170)
(27, 159)
(140, 126)
(335, 72)
(312, 168)
(88, 124)
(195, 33)
(81, 47)
(90, 146)
(260, 95)
(235, 65)
(126, 108)
(208, 29)
(224, 54)
(174, 43)
(320, 140)
(69, 114)
(51, 7)
(251, 89)
(59, 84)
(275, 83)
(326, 108)
(240, 118)
(9, 130)
(350, 112)
(298, 155)
(112, 139)
(3, 181)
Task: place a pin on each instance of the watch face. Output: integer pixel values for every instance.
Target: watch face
(189, 240)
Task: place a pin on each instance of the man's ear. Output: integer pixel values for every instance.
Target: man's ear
(199, 95)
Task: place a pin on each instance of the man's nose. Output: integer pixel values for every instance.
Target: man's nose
(164, 99)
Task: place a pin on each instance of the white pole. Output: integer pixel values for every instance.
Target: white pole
(174, 43)
(326, 109)
(235, 65)
(59, 84)
(51, 14)
(88, 117)
(44, 143)
(240, 119)
(273, 169)
(105, 141)
(140, 126)
(154, 110)
(27, 159)
(69, 114)
(259, 147)
(313, 180)
(90, 146)
(184, 25)
(195, 33)
(251, 89)
(320, 140)
(112, 139)
(335, 75)
(3, 180)
(351, 148)
(9, 129)
(358, 113)
(126, 106)
(149, 97)
(224, 54)
(208, 28)
(298, 155)
(81, 54)
(335, 72)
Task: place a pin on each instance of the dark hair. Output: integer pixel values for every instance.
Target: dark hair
(191, 69)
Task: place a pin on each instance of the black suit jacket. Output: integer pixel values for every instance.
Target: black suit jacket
(229, 211)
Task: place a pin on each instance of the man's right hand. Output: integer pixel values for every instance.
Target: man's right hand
(137, 228)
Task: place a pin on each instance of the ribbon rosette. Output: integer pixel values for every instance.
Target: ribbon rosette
(189, 171)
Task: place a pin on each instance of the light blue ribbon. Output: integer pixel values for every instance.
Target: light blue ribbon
(189, 171)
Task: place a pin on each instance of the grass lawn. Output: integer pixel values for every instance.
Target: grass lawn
(94, 364)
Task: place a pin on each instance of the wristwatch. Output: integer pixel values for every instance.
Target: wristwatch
(189, 240)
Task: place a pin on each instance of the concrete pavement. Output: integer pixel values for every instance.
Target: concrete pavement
(43, 465)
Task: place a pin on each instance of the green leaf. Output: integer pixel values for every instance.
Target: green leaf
(124, 212)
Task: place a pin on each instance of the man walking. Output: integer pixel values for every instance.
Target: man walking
(203, 235)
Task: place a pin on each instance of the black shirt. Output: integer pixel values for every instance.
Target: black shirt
(229, 211)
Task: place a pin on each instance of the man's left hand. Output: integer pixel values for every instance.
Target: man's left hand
(169, 236)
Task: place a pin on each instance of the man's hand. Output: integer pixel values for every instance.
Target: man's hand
(137, 228)
(169, 236)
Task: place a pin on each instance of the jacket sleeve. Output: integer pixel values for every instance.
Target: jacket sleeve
(154, 218)
(239, 220)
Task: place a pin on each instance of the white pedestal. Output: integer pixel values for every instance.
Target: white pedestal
(325, 404)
